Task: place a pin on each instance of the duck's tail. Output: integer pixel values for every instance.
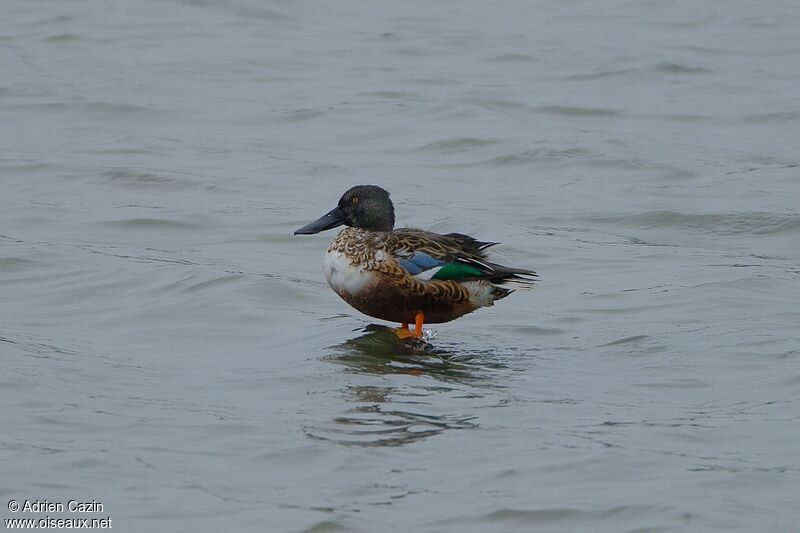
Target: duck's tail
(502, 275)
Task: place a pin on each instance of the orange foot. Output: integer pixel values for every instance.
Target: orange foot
(419, 320)
(404, 333)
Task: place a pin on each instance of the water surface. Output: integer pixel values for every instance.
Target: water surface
(168, 348)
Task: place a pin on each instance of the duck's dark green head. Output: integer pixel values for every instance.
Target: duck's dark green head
(363, 206)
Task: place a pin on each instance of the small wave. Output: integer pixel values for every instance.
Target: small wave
(534, 330)
(325, 526)
(532, 156)
(569, 517)
(191, 285)
(148, 223)
(246, 10)
(144, 179)
(429, 81)
(496, 104)
(513, 58)
(19, 264)
(392, 95)
(33, 348)
(95, 109)
(67, 37)
(676, 117)
(633, 339)
(413, 51)
(574, 111)
(756, 223)
(677, 68)
(379, 425)
(597, 75)
(456, 144)
(300, 115)
(784, 116)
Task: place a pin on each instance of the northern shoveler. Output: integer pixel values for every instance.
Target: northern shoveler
(407, 275)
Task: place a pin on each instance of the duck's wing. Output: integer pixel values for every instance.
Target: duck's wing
(429, 257)
(470, 244)
(443, 247)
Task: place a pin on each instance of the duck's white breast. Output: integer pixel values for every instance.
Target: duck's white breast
(342, 276)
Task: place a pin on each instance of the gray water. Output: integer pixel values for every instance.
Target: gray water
(169, 349)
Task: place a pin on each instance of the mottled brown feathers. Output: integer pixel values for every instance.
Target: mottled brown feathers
(395, 294)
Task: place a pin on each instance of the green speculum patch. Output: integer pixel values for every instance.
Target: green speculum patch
(457, 271)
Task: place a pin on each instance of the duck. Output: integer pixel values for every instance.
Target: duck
(407, 275)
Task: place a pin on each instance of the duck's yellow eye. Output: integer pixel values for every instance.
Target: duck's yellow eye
(355, 199)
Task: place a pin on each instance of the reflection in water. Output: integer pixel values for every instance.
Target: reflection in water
(375, 425)
(380, 351)
(393, 411)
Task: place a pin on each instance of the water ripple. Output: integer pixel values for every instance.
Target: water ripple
(755, 223)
